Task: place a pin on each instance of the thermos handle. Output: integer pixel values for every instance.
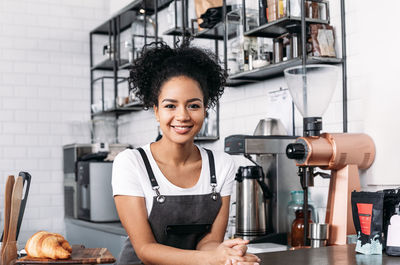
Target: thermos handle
(265, 189)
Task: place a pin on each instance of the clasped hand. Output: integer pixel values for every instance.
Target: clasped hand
(234, 252)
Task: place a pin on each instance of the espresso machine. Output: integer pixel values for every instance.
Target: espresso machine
(312, 87)
(262, 196)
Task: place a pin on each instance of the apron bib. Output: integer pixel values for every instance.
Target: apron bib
(178, 221)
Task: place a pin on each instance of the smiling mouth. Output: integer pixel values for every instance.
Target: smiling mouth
(182, 129)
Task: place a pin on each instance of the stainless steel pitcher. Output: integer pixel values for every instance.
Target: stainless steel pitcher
(252, 202)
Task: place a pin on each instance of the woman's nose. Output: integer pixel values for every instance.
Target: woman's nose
(182, 114)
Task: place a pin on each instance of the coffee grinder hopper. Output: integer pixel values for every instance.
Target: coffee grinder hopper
(311, 88)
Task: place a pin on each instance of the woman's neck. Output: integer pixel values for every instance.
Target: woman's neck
(167, 152)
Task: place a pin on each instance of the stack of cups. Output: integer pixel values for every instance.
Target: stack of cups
(318, 234)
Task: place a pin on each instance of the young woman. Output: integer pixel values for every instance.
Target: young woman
(172, 196)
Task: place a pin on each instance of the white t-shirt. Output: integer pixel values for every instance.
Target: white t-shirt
(129, 176)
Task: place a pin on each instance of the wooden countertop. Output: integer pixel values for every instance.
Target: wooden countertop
(332, 255)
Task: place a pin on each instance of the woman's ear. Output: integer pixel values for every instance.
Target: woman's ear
(155, 108)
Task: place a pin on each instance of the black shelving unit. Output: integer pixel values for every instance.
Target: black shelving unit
(112, 29)
(273, 29)
(274, 70)
(106, 65)
(128, 108)
(281, 26)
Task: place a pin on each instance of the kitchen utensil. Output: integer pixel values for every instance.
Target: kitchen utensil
(270, 126)
(26, 177)
(7, 206)
(27, 181)
(7, 211)
(252, 199)
(393, 236)
(9, 252)
(318, 233)
(79, 255)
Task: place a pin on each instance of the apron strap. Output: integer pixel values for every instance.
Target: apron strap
(154, 184)
(150, 173)
(213, 178)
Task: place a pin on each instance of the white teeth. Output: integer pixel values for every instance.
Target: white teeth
(178, 127)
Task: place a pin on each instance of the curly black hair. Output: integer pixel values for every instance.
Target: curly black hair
(159, 63)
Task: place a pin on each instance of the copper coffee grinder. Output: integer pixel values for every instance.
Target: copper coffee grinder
(311, 88)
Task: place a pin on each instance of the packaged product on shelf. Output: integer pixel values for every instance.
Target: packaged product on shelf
(252, 19)
(201, 7)
(295, 8)
(367, 209)
(313, 10)
(263, 55)
(281, 8)
(286, 47)
(391, 204)
(272, 13)
(262, 12)
(278, 50)
(212, 16)
(322, 40)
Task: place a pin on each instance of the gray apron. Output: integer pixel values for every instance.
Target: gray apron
(178, 221)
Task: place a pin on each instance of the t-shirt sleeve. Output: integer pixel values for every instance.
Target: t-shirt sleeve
(126, 175)
(227, 187)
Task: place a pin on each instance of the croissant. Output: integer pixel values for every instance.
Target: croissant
(48, 245)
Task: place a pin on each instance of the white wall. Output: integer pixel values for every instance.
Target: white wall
(375, 67)
(44, 95)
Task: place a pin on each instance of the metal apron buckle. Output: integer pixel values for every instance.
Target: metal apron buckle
(213, 191)
(160, 198)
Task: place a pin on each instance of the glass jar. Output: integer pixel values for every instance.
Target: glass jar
(296, 203)
(297, 231)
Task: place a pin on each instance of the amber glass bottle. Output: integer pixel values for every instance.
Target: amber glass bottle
(298, 228)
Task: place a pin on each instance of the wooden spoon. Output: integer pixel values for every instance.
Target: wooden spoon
(10, 248)
(7, 208)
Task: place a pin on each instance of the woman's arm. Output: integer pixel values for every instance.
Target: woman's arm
(217, 233)
(133, 215)
(213, 240)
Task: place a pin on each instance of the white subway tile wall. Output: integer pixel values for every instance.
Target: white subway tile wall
(44, 97)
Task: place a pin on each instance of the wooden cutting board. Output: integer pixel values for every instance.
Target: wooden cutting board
(79, 255)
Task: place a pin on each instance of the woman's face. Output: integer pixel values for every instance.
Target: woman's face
(180, 110)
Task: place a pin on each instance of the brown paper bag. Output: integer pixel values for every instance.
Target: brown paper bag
(322, 40)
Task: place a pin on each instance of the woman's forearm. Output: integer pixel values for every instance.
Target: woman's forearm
(209, 245)
(157, 254)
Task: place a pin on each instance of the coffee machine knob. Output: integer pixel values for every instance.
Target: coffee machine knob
(295, 151)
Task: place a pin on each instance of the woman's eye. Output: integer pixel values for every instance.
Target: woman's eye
(169, 106)
(194, 106)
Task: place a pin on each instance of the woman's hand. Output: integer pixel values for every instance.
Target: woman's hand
(233, 251)
(249, 259)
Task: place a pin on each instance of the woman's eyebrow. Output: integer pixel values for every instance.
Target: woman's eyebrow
(194, 99)
(174, 100)
(169, 100)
